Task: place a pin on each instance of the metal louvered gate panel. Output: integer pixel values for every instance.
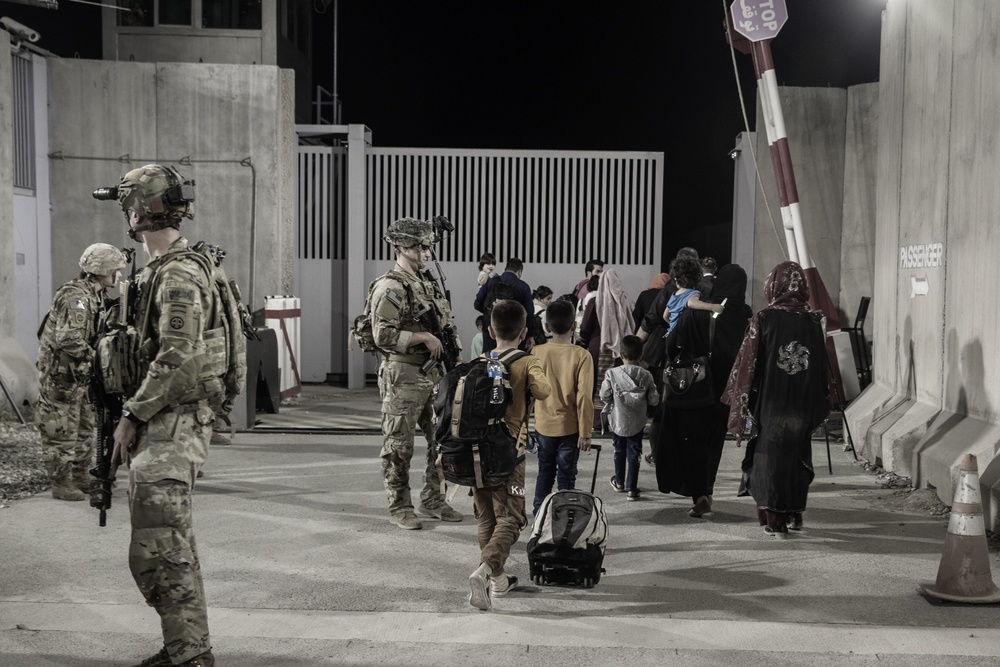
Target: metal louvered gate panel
(554, 210)
(545, 207)
(321, 209)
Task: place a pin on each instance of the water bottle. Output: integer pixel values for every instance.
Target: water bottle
(494, 369)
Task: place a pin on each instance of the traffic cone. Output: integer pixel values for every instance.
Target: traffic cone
(964, 574)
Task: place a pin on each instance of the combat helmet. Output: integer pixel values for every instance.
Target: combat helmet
(102, 259)
(408, 232)
(158, 194)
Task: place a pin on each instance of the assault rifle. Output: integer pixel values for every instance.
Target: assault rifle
(446, 334)
(109, 411)
(108, 407)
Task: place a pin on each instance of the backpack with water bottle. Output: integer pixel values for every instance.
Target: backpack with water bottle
(474, 447)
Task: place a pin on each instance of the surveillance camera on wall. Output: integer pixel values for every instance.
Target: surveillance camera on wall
(20, 30)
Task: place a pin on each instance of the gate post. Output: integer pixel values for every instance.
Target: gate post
(358, 141)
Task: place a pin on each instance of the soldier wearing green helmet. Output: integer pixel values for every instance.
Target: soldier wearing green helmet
(166, 424)
(395, 302)
(65, 356)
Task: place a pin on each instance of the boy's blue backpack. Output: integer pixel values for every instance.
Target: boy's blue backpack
(474, 447)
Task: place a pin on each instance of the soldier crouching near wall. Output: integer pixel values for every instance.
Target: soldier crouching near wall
(166, 424)
(396, 301)
(65, 358)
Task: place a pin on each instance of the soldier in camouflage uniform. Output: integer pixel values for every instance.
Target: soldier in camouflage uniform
(65, 357)
(395, 301)
(166, 425)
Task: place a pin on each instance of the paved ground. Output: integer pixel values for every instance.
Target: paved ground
(302, 568)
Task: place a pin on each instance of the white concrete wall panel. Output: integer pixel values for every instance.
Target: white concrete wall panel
(857, 252)
(972, 334)
(97, 110)
(888, 365)
(213, 116)
(815, 120)
(923, 194)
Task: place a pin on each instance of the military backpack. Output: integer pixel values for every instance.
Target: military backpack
(119, 356)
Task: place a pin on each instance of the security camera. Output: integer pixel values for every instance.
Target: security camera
(19, 30)
(735, 153)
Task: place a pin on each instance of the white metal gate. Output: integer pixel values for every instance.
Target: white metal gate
(553, 209)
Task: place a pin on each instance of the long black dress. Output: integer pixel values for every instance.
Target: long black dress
(691, 440)
(790, 402)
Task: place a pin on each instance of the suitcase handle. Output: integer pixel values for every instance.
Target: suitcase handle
(593, 482)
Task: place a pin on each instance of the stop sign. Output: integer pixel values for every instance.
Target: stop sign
(758, 20)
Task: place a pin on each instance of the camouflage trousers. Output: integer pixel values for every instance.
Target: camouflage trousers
(407, 402)
(163, 556)
(66, 423)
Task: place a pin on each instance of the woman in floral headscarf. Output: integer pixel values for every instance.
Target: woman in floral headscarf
(778, 388)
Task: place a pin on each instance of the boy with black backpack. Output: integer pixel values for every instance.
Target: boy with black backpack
(499, 509)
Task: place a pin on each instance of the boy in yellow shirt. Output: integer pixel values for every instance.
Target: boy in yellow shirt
(564, 421)
(500, 509)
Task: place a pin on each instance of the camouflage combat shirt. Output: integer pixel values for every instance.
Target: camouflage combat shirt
(175, 302)
(397, 299)
(64, 338)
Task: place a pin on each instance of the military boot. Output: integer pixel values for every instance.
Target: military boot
(204, 660)
(82, 479)
(161, 659)
(62, 484)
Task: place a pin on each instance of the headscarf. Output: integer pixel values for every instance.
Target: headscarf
(785, 289)
(614, 312)
(660, 281)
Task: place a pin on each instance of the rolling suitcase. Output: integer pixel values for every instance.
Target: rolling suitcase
(568, 537)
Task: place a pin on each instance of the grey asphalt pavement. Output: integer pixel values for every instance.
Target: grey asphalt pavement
(303, 568)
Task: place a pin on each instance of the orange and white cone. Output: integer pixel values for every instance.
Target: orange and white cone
(964, 574)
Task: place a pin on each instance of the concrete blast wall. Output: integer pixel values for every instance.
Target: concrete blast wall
(228, 127)
(935, 397)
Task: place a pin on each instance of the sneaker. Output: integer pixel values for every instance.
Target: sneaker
(161, 659)
(445, 513)
(795, 521)
(479, 588)
(406, 521)
(204, 660)
(616, 485)
(632, 495)
(498, 589)
(781, 533)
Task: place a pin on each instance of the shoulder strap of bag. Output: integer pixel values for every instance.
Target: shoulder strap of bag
(711, 335)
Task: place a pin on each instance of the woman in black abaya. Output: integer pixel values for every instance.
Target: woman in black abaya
(691, 439)
(779, 385)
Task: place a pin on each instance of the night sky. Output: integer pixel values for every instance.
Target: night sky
(645, 75)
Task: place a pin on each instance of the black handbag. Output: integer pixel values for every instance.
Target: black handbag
(688, 383)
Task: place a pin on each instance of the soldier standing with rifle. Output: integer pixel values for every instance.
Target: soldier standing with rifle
(65, 360)
(409, 317)
(166, 423)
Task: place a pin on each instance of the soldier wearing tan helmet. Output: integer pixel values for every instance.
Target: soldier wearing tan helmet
(65, 356)
(395, 299)
(166, 424)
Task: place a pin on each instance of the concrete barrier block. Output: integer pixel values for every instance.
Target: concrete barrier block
(901, 439)
(949, 438)
(860, 414)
